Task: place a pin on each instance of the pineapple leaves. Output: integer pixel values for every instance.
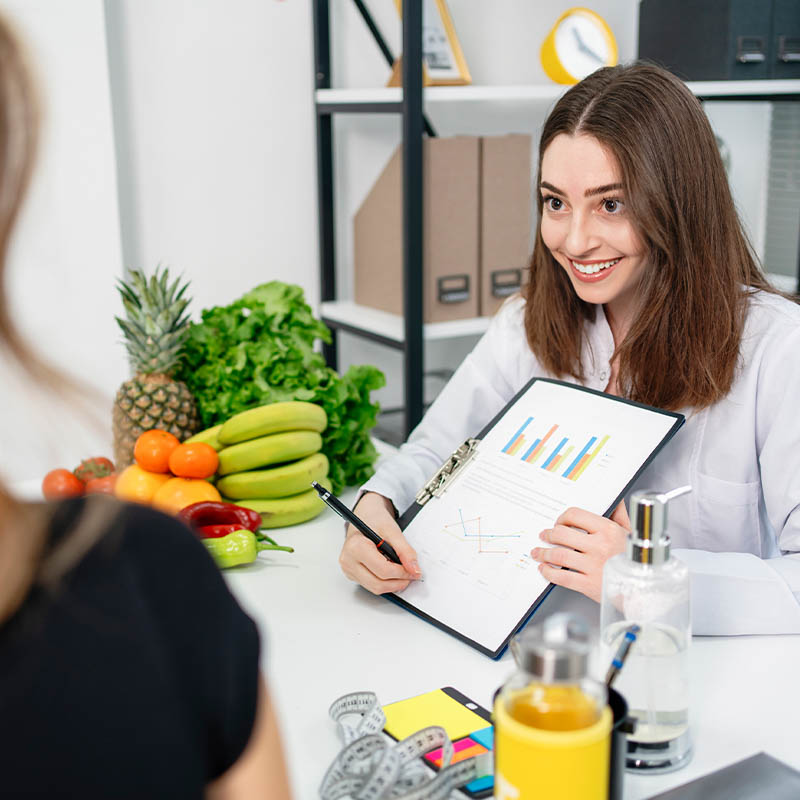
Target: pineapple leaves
(156, 321)
(260, 349)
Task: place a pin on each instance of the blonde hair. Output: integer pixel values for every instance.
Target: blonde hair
(24, 527)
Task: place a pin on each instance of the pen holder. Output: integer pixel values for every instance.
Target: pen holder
(621, 726)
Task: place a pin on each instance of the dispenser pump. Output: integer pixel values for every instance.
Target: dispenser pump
(648, 542)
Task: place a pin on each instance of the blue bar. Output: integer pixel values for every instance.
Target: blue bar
(530, 449)
(579, 457)
(554, 453)
(511, 440)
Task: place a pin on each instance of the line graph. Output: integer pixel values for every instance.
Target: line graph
(475, 532)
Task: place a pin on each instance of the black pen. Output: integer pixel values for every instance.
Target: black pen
(346, 514)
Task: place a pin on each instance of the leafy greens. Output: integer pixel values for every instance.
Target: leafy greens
(260, 349)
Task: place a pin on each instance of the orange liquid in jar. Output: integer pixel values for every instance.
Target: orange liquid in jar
(553, 708)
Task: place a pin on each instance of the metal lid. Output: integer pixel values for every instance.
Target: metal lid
(648, 542)
(558, 649)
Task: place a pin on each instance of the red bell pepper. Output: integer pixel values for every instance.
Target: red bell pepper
(216, 531)
(208, 512)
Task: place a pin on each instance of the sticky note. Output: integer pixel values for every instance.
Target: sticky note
(432, 708)
(462, 750)
(480, 784)
(485, 737)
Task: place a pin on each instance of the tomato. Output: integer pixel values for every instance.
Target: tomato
(59, 483)
(153, 448)
(194, 460)
(104, 485)
(97, 467)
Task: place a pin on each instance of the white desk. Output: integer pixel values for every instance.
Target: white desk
(325, 637)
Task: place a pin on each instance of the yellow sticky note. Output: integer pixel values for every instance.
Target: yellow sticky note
(433, 708)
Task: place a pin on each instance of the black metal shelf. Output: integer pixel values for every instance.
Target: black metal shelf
(413, 125)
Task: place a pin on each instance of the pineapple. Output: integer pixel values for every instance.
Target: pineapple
(154, 332)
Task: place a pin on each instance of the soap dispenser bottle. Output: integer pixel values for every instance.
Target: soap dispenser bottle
(648, 587)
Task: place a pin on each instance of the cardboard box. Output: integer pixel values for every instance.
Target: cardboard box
(505, 218)
(450, 233)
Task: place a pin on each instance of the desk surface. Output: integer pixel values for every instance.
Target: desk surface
(324, 637)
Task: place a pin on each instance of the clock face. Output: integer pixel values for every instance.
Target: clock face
(582, 45)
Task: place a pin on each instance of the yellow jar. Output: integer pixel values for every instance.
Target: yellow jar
(552, 722)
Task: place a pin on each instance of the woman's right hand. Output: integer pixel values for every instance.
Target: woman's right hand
(363, 563)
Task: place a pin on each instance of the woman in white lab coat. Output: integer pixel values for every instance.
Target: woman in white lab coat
(642, 284)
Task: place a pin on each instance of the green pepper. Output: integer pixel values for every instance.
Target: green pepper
(239, 547)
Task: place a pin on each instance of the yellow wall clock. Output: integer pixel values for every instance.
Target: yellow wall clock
(579, 43)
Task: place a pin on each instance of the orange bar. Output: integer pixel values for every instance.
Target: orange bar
(517, 446)
(541, 444)
(573, 476)
(582, 466)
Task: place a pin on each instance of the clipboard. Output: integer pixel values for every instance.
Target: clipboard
(473, 524)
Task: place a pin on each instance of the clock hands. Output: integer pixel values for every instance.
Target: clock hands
(584, 48)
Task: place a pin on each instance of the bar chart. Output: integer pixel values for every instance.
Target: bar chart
(553, 452)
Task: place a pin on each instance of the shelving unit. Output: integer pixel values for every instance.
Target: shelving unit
(407, 333)
(408, 103)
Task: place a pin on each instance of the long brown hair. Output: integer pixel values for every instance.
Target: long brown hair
(23, 527)
(682, 347)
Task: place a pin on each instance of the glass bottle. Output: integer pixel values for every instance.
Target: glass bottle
(552, 721)
(646, 586)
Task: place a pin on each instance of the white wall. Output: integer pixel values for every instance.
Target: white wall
(215, 125)
(66, 253)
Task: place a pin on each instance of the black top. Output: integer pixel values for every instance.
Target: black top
(137, 678)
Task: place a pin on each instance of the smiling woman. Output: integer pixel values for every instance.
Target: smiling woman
(641, 284)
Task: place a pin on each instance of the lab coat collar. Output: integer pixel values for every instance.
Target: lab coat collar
(597, 350)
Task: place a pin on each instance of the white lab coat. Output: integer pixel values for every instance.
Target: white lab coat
(739, 529)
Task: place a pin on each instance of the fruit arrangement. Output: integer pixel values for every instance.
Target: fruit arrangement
(268, 457)
(92, 476)
(154, 331)
(167, 474)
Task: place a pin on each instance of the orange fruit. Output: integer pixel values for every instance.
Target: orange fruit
(153, 448)
(177, 493)
(138, 485)
(194, 460)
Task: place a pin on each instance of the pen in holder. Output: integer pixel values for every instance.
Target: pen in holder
(622, 653)
(622, 725)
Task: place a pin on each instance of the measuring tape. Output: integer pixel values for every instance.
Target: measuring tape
(373, 767)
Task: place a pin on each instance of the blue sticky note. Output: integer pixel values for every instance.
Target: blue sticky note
(486, 782)
(485, 737)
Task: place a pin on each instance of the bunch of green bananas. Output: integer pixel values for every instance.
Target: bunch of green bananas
(268, 457)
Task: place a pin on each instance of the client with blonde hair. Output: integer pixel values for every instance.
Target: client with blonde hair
(127, 668)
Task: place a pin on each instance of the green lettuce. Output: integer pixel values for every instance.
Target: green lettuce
(260, 349)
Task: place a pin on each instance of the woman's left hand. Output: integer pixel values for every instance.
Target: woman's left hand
(582, 542)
